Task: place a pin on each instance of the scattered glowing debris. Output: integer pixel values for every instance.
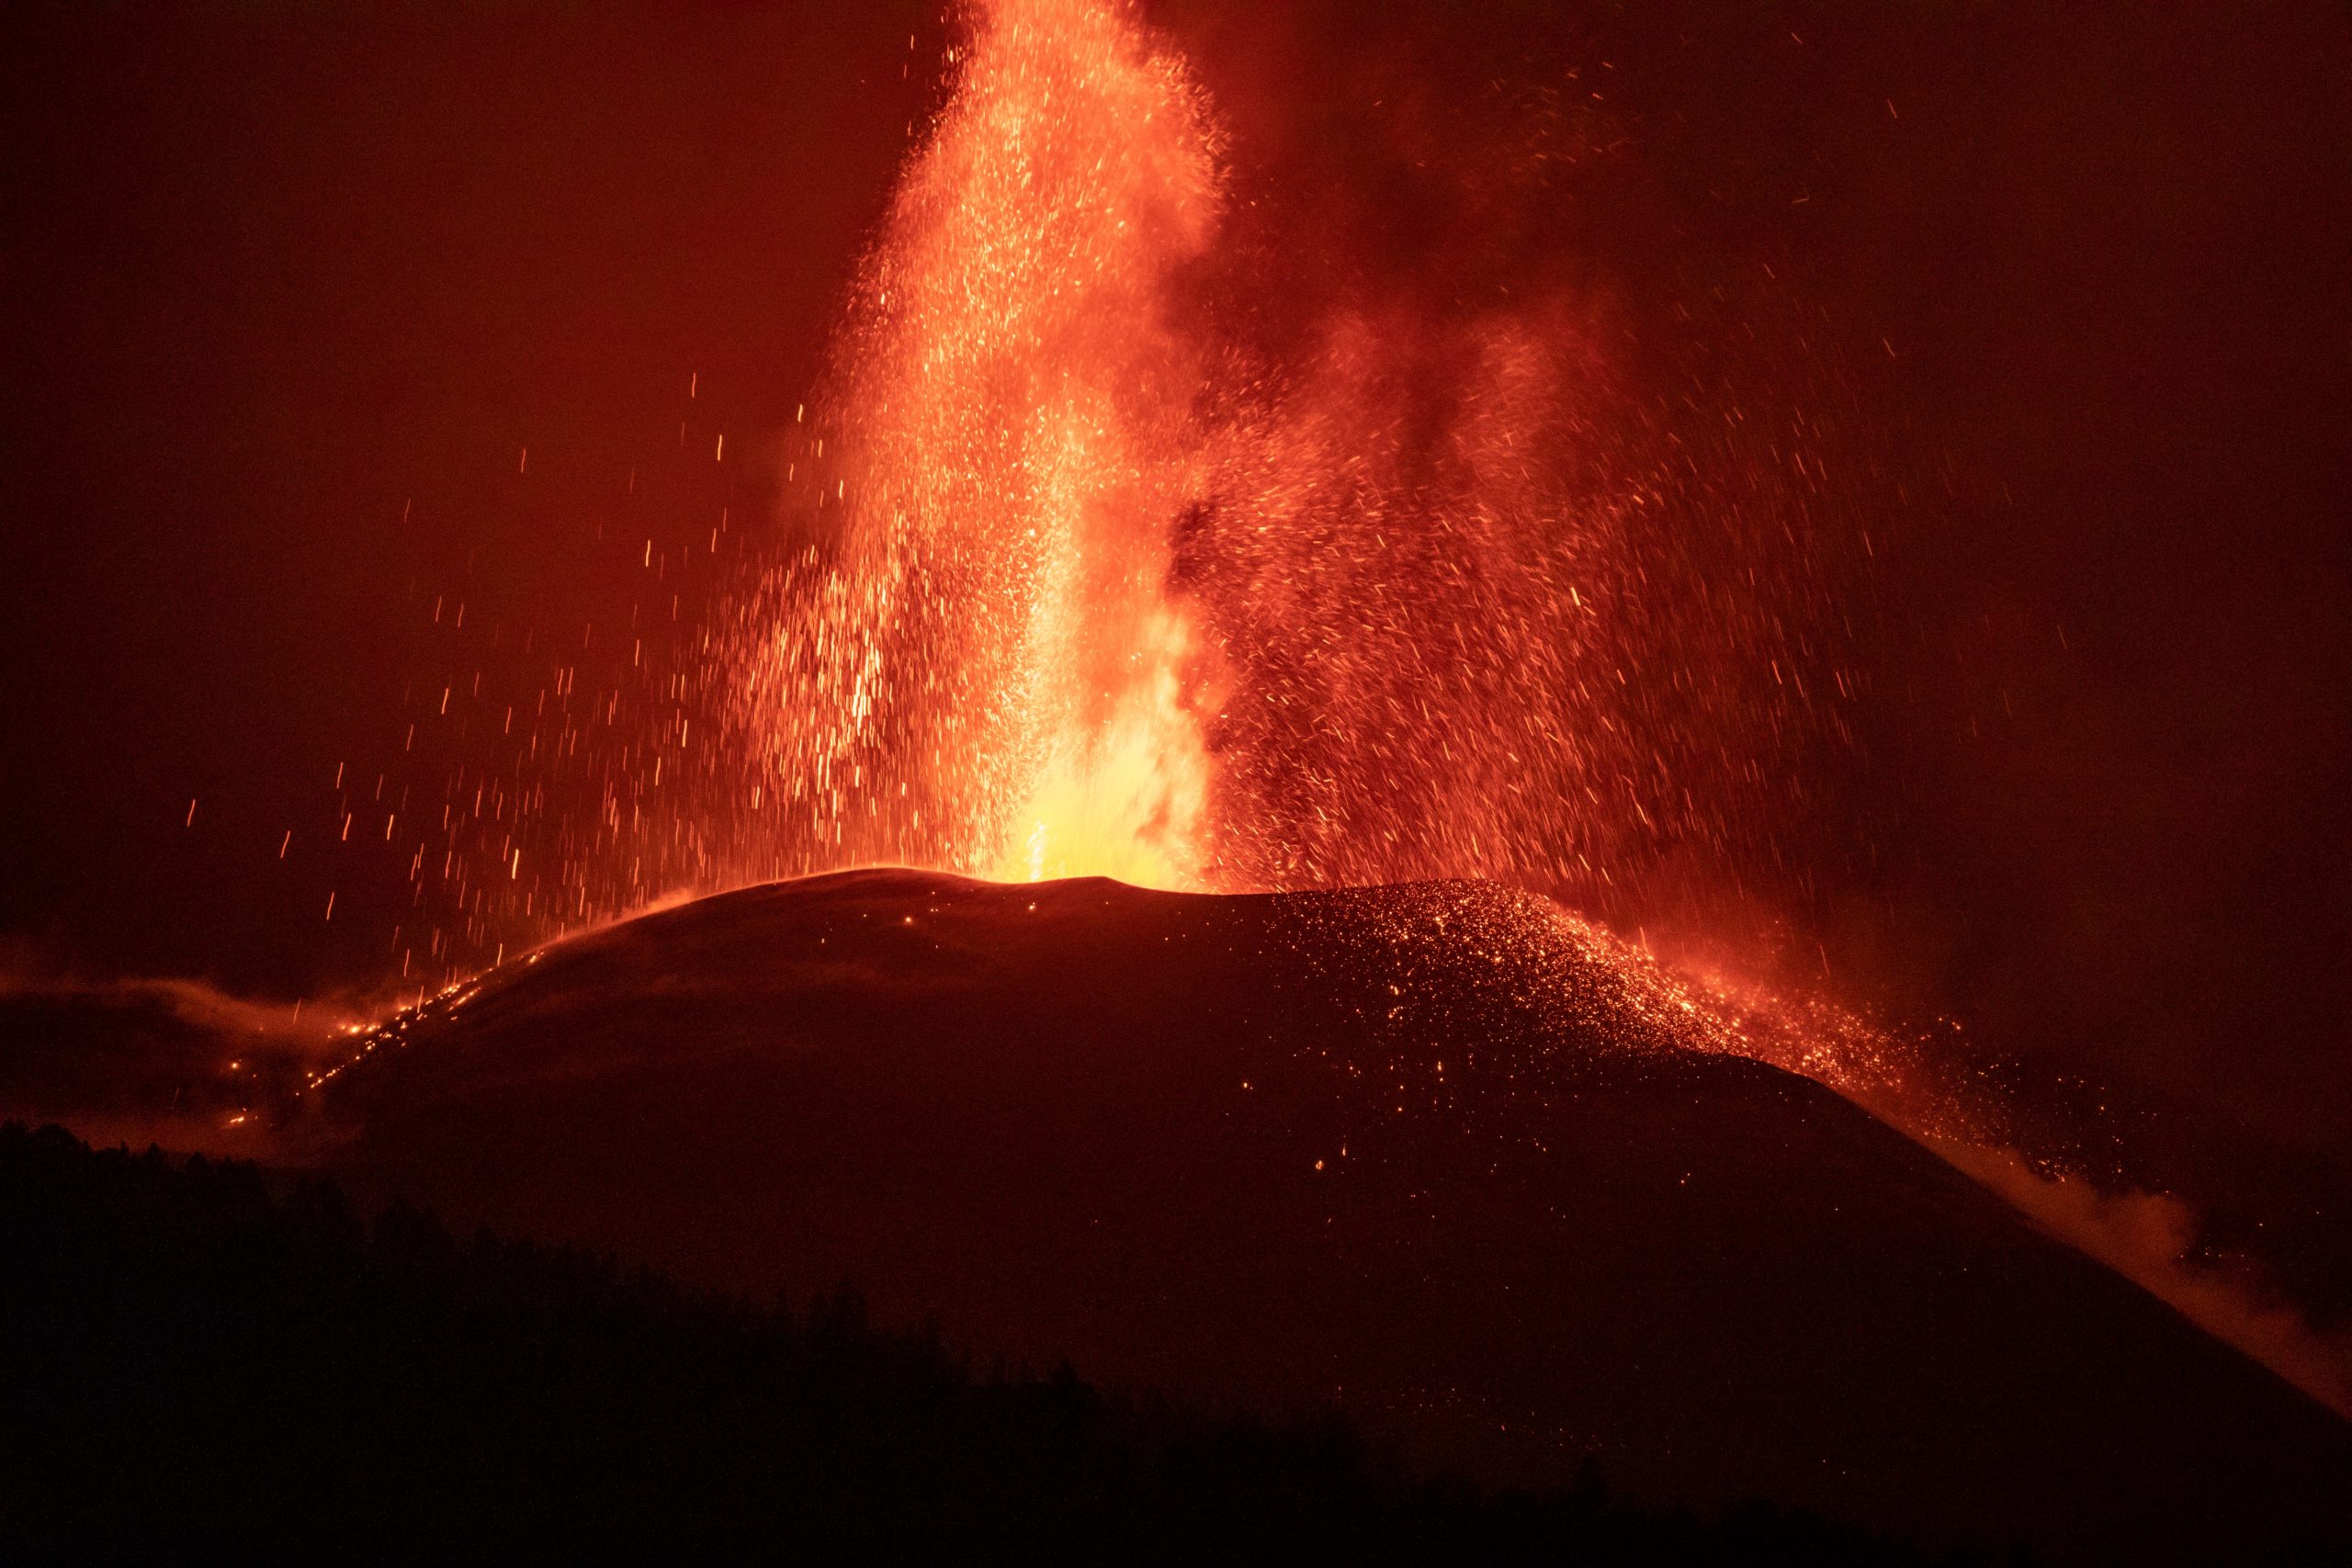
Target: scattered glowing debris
(1062, 588)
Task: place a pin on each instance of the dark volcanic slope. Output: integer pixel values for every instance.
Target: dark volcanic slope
(1202, 1143)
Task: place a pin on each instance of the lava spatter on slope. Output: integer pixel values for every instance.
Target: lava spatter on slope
(1467, 965)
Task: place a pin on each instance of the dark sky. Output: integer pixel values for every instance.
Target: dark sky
(278, 275)
(278, 272)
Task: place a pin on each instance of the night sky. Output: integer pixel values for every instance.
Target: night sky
(280, 277)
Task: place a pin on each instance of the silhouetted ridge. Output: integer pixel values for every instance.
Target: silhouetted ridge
(200, 1370)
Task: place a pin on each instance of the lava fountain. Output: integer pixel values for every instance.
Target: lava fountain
(978, 669)
(1098, 576)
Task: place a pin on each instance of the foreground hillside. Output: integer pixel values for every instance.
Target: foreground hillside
(1292, 1154)
(196, 1371)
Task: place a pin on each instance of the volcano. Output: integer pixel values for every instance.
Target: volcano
(1294, 1151)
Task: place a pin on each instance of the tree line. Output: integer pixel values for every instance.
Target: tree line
(194, 1369)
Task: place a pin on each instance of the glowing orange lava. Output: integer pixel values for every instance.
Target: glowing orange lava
(976, 669)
